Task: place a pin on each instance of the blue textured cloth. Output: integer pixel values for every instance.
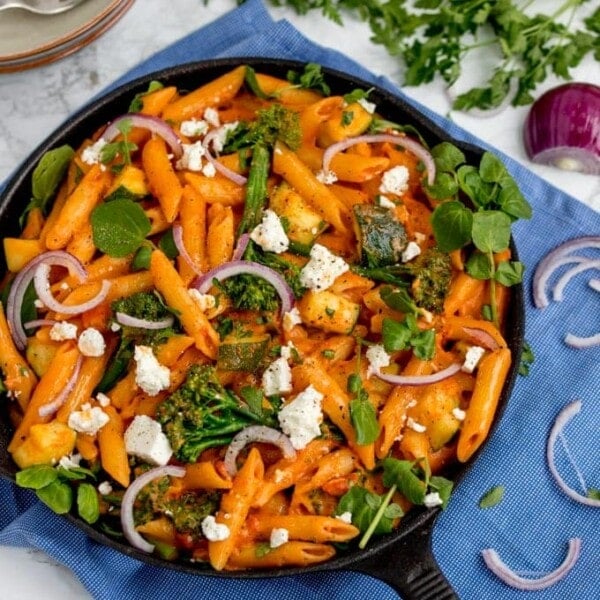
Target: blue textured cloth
(529, 528)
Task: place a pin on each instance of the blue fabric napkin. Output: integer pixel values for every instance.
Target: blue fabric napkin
(529, 528)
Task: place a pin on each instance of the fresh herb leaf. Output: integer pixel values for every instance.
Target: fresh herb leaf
(36, 477)
(137, 104)
(121, 148)
(88, 505)
(57, 495)
(402, 335)
(452, 223)
(311, 78)
(405, 475)
(492, 497)
(593, 493)
(527, 359)
(363, 505)
(254, 398)
(119, 227)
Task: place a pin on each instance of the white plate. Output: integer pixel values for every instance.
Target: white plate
(28, 40)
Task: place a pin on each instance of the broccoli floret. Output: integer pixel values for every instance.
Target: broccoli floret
(432, 273)
(189, 510)
(202, 414)
(142, 305)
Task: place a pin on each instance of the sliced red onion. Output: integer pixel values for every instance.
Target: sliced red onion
(22, 281)
(129, 321)
(578, 342)
(585, 265)
(419, 379)
(256, 433)
(51, 407)
(42, 287)
(219, 166)
(178, 240)
(562, 128)
(241, 246)
(594, 284)
(127, 521)
(248, 267)
(482, 337)
(553, 260)
(399, 140)
(563, 418)
(39, 323)
(508, 576)
(153, 124)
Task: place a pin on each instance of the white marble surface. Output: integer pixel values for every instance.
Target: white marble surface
(34, 102)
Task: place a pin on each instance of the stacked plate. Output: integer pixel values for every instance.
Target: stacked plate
(29, 40)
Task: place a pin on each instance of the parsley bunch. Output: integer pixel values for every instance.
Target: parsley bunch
(433, 37)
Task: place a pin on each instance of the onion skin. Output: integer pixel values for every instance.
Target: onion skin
(562, 128)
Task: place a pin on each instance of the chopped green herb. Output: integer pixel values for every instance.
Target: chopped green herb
(492, 497)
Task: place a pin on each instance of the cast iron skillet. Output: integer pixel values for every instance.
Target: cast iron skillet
(403, 558)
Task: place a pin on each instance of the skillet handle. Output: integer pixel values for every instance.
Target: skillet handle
(408, 566)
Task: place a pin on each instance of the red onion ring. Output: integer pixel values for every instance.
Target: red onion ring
(42, 287)
(178, 240)
(552, 261)
(248, 267)
(594, 284)
(51, 407)
(127, 522)
(508, 576)
(153, 124)
(241, 246)
(563, 418)
(256, 433)
(129, 321)
(399, 140)
(585, 265)
(21, 282)
(419, 379)
(483, 338)
(39, 323)
(578, 342)
(219, 166)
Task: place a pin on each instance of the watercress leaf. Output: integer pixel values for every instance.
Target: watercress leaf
(401, 474)
(119, 227)
(75, 473)
(479, 266)
(397, 299)
(57, 496)
(443, 487)
(49, 172)
(363, 505)
(36, 477)
(452, 223)
(167, 244)
(471, 183)
(423, 344)
(512, 202)
(509, 272)
(311, 78)
(141, 259)
(357, 94)
(491, 230)
(492, 497)
(527, 359)
(88, 505)
(393, 511)
(444, 187)
(447, 156)
(395, 335)
(491, 168)
(364, 421)
(137, 103)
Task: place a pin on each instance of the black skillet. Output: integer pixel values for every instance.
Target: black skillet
(403, 559)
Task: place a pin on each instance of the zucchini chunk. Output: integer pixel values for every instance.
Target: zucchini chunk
(329, 312)
(243, 353)
(381, 237)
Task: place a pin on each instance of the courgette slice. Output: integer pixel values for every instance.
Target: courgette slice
(243, 353)
(303, 224)
(328, 311)
(381, 237)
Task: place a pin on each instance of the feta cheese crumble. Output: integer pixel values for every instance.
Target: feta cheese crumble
(150, 375)
(415, 426)
(63, 330)
(145, 439)
(70, 462)
(277, 378)
(385, 202)
(279, 536)
(472, 357)
(269, 233)
(326, 177)
(88, 420)
(301, 418)
(378, 358)
(394, 181)
(191, 159)
(459, 414)
(322, 269)
(102, 399)
(92, 154)
(193, 127)
(91, 342)
(105, 488)
(291, 319)
(411, 251)
(213, 531)
(432, 499)
(205, 301)
(345, 517)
